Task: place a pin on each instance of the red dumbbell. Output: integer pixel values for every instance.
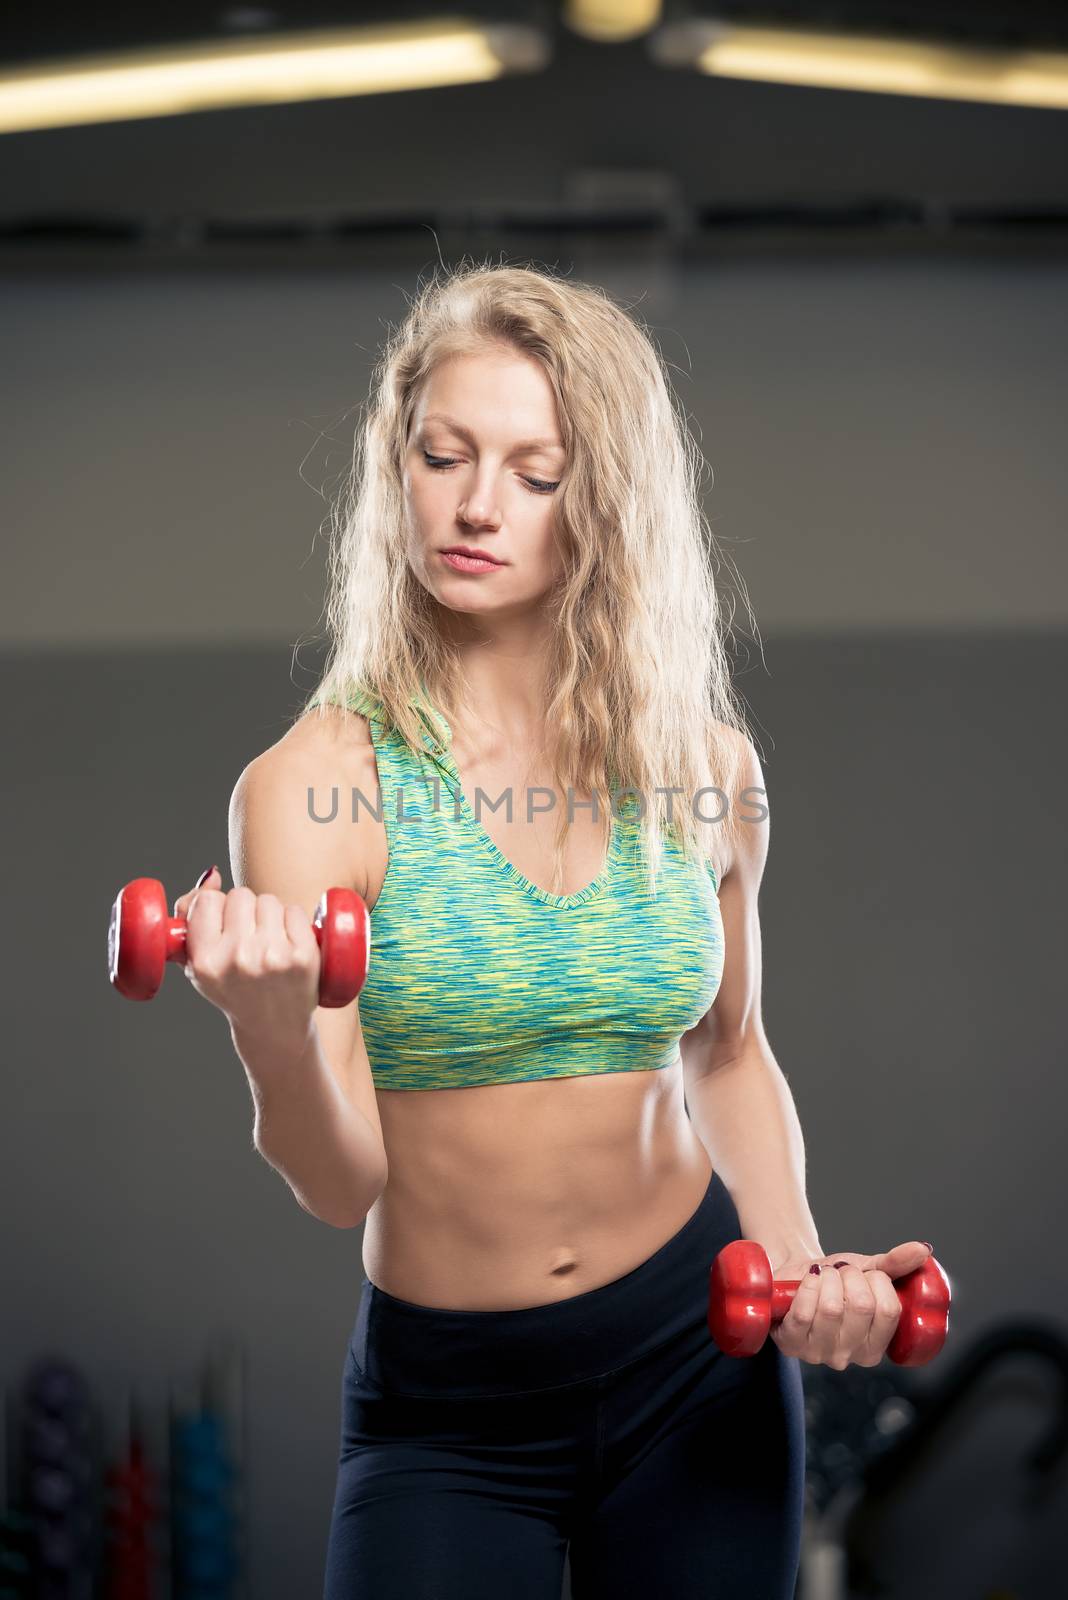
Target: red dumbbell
(142, 937)
(744, 1300)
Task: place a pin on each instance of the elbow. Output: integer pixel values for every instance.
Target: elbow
(356, 1216)
(347, 1217)
(343, 1222)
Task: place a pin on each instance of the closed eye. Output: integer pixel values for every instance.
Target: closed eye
(443, 463)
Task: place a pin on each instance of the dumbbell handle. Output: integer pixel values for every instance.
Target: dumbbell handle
(913, 1344)
(175, 930)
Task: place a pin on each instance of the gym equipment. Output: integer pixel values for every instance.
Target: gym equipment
(16, 1547)
(204, 1536)
(1000, 1535)
(133, 1508)
(143, 937)
(851, 1417)
(223, 1389)
(59, 1468)
(744, 1301)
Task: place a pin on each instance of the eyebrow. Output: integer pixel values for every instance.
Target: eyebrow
(465, 433)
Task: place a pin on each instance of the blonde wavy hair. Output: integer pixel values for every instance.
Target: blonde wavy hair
(638, 680)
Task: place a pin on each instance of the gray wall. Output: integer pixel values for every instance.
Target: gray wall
(888, 476)
(885, 438)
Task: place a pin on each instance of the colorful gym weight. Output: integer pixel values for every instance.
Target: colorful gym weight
(744, 1301)
(143, 937)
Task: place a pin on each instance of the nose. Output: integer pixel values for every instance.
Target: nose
(476, 513)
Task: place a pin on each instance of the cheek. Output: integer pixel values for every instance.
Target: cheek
(425, 502)
(551, 540)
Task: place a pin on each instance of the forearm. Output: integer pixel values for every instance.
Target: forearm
(744, 1114)
(305, 1128)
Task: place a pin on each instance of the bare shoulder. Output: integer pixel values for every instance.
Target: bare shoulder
(290, 811)
(331, 728)
(740, 785)
(334, 740)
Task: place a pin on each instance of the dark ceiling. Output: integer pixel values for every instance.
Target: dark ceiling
(63, 26)
(603, 138)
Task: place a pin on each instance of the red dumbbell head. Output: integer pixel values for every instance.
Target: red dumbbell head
(140, 938)
(344, 945)
(740, 1295)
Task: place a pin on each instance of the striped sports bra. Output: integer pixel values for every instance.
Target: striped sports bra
(479, 976)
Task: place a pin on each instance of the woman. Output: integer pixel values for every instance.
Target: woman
(554, 1101)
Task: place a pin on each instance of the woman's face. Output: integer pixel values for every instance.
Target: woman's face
(483, 463)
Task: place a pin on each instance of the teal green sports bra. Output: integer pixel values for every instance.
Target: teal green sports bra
(479, 976)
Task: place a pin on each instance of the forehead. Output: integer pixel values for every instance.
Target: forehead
(492, 393)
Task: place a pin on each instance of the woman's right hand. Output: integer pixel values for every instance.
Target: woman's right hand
(254, 958)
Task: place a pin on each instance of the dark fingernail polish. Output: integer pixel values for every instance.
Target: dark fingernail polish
(815, 1267)
(841, 1263)
(204, 876)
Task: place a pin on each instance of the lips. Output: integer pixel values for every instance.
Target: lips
(470, 550)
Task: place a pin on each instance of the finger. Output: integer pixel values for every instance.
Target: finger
(299, 930)
(204, 923)
(901, 1259)
(793, 1332)
(884, 1322)
(239, 915)
(211, 879)
(270, 919)
(888, 1314)
(826, 1326)
(271, 930)
(858, 1306)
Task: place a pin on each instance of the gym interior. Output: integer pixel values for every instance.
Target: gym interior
(860, 288)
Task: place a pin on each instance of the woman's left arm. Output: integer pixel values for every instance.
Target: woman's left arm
(739, 1101)
(743, 1112)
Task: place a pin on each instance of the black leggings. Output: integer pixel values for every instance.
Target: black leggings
(478, 1446)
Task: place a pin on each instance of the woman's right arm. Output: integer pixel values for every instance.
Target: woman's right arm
(316, 1117)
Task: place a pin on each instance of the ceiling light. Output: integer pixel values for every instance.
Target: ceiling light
(611, 21)
(322, 64)
(866, 62)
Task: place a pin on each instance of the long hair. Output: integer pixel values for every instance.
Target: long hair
(639, 689)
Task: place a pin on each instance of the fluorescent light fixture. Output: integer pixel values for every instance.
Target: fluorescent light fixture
(865, 62)
(322, 64)
(611, 21)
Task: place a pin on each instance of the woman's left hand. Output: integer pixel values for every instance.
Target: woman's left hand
(849, 1310)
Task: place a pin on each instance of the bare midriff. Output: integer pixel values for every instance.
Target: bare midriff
(509, 1195)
